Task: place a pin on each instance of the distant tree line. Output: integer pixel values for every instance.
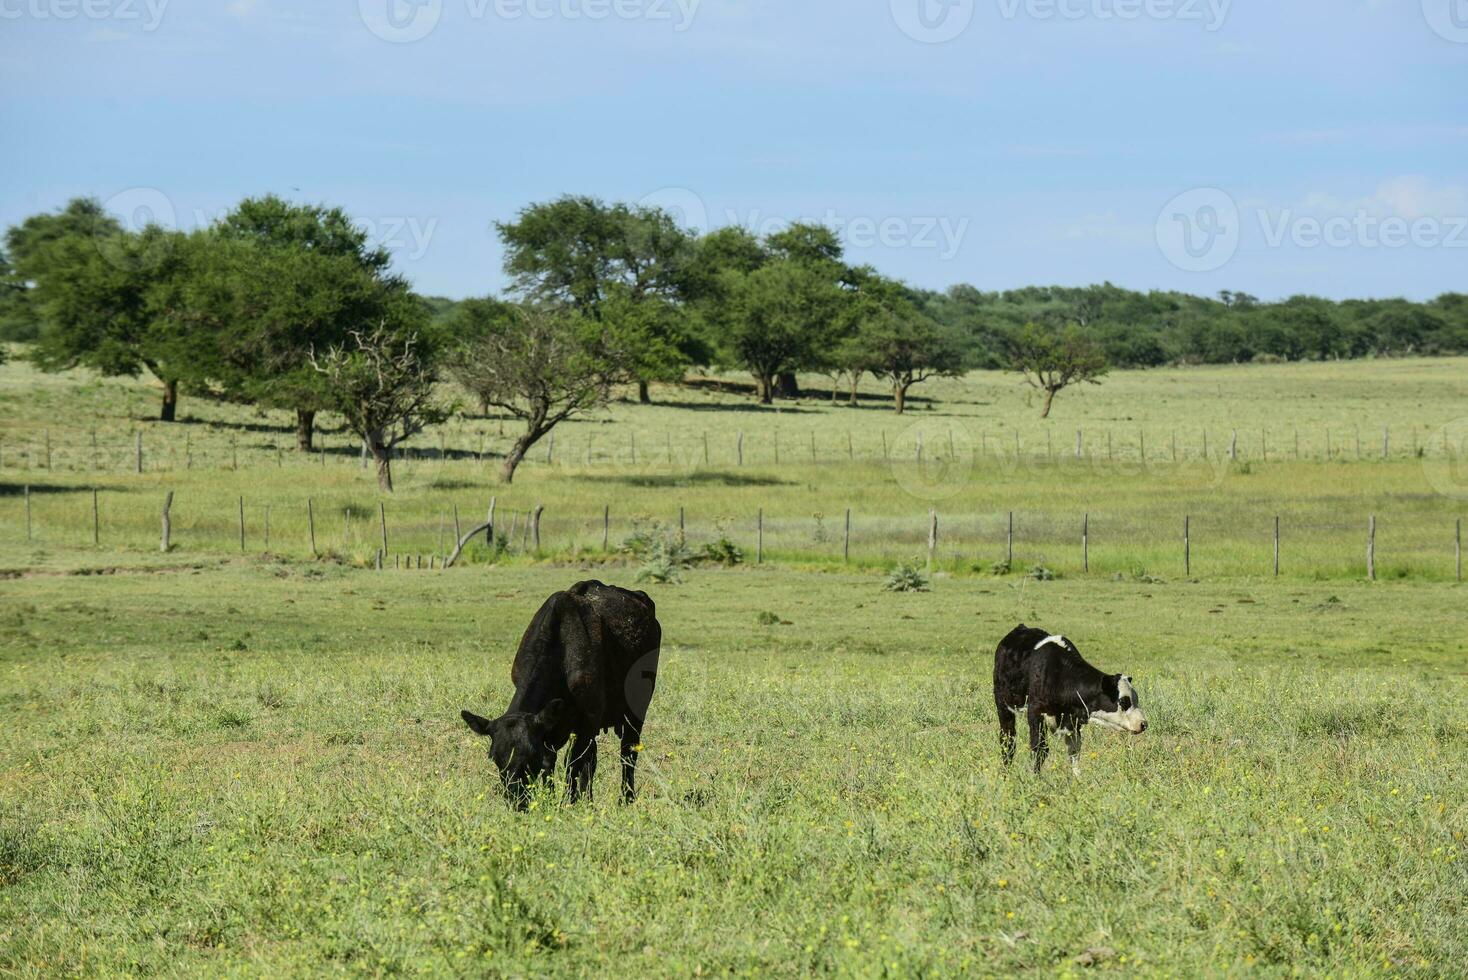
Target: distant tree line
(291, 306)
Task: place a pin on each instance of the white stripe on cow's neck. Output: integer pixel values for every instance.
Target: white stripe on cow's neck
(1056, 639)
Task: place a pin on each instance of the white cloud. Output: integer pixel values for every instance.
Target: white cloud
(1408, 196)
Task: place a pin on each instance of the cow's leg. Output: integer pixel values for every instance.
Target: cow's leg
(631, 732)
(1039, 741)
(582, 768)
(1073, 748)
(1006, 734)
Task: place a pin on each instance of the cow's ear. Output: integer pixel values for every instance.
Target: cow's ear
(477, 725)
(555, 720)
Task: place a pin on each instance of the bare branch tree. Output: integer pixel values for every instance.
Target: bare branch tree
(540, 364)
(383, 386)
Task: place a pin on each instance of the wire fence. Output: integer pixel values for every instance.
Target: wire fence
(1039, 543)
(67, 449)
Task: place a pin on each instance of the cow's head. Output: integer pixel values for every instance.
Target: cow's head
(1117, 707)
(523, 745)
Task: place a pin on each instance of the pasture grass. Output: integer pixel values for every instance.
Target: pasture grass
(971, 473)
(256, 766)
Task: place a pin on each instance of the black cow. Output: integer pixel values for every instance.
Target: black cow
(1045, 675)
(587, 662)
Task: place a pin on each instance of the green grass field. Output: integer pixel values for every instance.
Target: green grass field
(252, 763)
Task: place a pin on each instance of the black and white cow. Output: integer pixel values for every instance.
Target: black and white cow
(587, 662)
(1044, 675)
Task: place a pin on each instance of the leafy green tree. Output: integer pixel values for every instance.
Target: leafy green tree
(542, 364)
(288, 279)
(898, 343)
(1051, 360)
(622, 266)
(773, 319)
(99, 294)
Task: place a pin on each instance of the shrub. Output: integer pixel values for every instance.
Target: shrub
(722, 552)
(906, 577)
(1040, 573)
(1000, 567)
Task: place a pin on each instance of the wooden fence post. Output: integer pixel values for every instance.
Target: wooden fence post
(1009, 544)
(488, 523)
(777, 447)
(1233, 445)
(1085, 542)
(850, 449)
(1385, 441)
(514, 525)
(382, 523)
(96, 520)
(535, 525)
(458, 533)
(885, 455)
(919, 446)
(138, 451)
(812, 445)
(550, 448)
(267, 527)
(705, 447)
(1142, 444)
(163, 543)
(1205, 443)
(311, 525)
(1187, 545)
(846, 540)
(440, 535)
(759, 547)
(932, 536)
(1458, 547)
(525, 534)
(606, 525)
(632, 442)
(682, 535)
(48, 449)
(1276, 546)
(28, 512)
(739, 447)
(242, 524)
(1109, 455)
(378, 561)
(1371, 549)
(1078, 444)
(1264, 444)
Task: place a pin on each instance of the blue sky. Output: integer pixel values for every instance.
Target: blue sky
(1273, 146)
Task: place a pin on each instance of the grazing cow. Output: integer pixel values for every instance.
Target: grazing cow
(587, 662)
(1045, 675)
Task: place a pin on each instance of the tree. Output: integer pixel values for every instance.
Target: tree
(895, 341)
(99, 293)
(622, 266)
(1051, 360)
(541, 364)
(288, 279)
(382, 384)
(772, 320)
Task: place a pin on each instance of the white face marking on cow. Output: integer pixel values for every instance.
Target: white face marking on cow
(1057, 639)
(1128, 717)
